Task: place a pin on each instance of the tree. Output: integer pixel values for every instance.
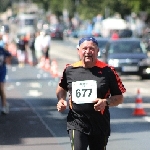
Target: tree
(4, 4)
(45, 4)
(87, 9)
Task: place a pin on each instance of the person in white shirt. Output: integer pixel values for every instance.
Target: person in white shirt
(38, 46)
(46, 45)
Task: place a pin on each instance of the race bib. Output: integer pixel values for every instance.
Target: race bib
(84, 91)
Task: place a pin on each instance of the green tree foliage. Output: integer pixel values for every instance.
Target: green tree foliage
(45, 4)
(4, 4)
(87, 9)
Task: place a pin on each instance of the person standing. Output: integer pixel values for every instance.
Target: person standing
(115, 35)
(93, 87)
(5, 58)
(2, 43)
(46, 45)
(21, 52)
(32, 57)
(38, 47)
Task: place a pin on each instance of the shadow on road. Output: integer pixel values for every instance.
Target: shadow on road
(21, 123)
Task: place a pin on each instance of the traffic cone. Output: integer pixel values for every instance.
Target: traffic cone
(54, 68)
(30, 61)
(42, 63)
(47, 66)
(12, 49)
(139, 111)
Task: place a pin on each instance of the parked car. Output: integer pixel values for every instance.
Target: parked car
(101, 44)
(146, 40)
(57, 31)
(128, 56)
(125, 33)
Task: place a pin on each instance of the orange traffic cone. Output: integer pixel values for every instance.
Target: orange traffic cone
(54, 68)
(47, 66)
(12, 49)
(42, 63)
(139, 111)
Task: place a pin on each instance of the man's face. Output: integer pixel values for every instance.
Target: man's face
(88, 52)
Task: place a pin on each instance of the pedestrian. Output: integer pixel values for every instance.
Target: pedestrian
(46, 45)
(2, 43)
(115, 35)
(38, 47)
(27, 48)
(32, 57)
(21, 52)
(93, 87)
(5, 58)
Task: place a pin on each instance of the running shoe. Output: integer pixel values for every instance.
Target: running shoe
(5, 109)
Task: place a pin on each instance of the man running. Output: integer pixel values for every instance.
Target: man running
(93, 87)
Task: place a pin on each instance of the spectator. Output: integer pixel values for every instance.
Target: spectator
(21, 52)
(115, 35)
(46, 45)
(31, 43)
(38, 47)
(2, 44)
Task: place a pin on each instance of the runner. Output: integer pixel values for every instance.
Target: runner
(93, 87)
(5, 57)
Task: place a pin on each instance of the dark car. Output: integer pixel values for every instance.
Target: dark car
(57, 31)
(101, 44)
(125, 33)
(146, 40)
(127, 56)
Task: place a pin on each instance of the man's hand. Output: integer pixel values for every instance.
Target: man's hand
(100, 104)
(61, 105)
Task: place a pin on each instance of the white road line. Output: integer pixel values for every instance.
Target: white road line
(34, 93)
(41, 119)
(147, 118)
(133, 105)
(35, 85)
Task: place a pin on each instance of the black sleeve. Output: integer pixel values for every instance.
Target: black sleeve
(63, 81)
(115, 84)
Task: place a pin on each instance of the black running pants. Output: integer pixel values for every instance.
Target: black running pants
(81, 141)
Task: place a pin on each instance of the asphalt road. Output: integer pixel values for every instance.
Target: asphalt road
(34, 123)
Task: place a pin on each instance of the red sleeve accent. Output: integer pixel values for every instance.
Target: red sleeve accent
(120, 85)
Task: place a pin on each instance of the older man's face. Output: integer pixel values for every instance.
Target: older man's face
(88, 51)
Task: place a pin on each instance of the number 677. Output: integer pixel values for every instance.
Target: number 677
(83, 93)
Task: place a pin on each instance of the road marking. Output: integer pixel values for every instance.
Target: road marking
(18, 83)
(133, 105)
(35, 85)
(41, 119)
(147, 118)
(38, 76)
(34, 93)
(52, 83)
(10, 87)
(45, 75)
(13, 69)
(132, 120)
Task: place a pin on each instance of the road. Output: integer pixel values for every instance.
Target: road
(34, 123)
